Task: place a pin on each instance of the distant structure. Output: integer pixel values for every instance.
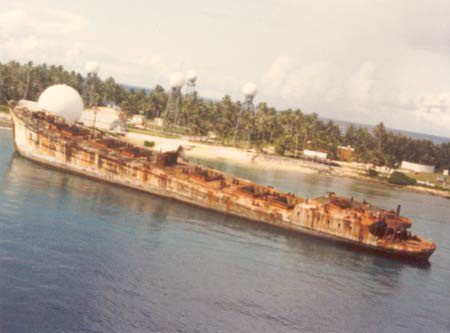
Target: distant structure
(315, 154)
(105, 118)
(191, 81)
(92, 68)
(158, 122)
(175, 100)
(417, 167)
(345, 154)
(62, 100)
(249, 90)
(138, 120)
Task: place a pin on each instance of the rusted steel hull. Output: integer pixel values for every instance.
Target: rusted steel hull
(48, 140)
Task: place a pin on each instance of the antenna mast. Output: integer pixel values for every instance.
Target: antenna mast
(92, 68)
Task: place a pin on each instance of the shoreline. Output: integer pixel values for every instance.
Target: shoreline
(218, 153)
(251, 159)
(5, 120)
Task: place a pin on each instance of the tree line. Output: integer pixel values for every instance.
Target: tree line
(288, 131)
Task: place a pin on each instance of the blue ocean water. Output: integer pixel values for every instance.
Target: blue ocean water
(78, 255)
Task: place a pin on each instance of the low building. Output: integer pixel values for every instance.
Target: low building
(138, 120)
(106, 118)
(417, 167)
(345, 154)
(158, 122)
(315, 154)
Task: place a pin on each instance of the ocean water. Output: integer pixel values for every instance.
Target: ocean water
(78, 255)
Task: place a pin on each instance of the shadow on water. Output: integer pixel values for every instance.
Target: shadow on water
(58, 184)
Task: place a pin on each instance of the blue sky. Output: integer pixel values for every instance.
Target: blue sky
(366, 61)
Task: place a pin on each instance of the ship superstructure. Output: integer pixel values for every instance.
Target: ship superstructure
(49, 139)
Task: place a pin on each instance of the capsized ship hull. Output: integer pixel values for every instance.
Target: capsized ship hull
(48, 139)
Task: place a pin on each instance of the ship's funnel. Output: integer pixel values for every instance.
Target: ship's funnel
(63, 101)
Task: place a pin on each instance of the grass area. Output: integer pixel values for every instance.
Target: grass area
(430, 177)
(153, 132)
(4, 108)
(238, 144)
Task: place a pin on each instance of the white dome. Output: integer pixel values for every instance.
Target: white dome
(249, 89)
(92, 67)
(62, 100)
(191, 75)
(177, 80)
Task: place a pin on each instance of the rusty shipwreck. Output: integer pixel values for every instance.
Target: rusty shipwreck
(49, 139)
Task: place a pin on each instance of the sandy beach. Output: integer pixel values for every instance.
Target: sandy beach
(222, 153)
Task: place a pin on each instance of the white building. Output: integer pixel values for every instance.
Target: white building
(138, 120)
(417, 167)
(158, 122)
(315, 154)
(106, 118)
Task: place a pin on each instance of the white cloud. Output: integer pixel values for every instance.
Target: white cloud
(275, 77)
(293, 84)
(22, 46)
(361, 88)
(434, 108)
(45, 22)
(361, 61)
(155, 67)
(73, 55)
(324, 88)
(40, 35)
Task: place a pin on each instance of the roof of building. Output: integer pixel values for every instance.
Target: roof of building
(104, 116)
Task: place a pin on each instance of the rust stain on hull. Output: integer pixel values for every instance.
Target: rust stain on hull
(48, 139)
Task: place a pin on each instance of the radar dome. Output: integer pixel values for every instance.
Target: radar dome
(62, 100)
(92, 67)
(191, 75)
(249, 89)
(177, 80)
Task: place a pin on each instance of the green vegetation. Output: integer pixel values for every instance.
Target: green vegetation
(426, 177)
(399, 178)
(288, 131)
(150, 131)
(4, 108)
(149, 144)
(372, 173)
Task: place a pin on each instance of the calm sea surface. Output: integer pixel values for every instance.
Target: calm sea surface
(80, 255)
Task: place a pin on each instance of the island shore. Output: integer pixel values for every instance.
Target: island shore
(252, 159)
(222, 153)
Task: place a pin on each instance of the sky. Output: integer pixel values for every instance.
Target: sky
(355, 60)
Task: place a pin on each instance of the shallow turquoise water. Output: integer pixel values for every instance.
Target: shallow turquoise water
(81, 255)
